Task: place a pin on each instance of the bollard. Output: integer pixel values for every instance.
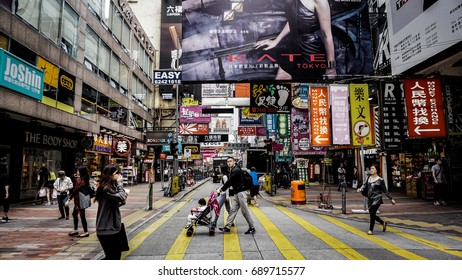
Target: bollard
(149, 206)
(343, 197)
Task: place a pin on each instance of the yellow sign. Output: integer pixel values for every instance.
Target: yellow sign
(188, 101)
(360, 114)
(50, 71)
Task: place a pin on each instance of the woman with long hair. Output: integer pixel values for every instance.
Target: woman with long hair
(82, 185)
(375, 188)
(110, 195)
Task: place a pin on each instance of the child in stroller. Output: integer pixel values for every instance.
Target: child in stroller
(202, 215)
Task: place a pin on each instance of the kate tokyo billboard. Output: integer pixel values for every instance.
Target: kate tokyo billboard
(274, 40)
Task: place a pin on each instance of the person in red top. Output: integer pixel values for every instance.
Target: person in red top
(82, 185)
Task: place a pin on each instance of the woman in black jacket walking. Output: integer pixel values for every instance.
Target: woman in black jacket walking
(375, 188)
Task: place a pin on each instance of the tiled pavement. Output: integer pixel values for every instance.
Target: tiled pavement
(35, 233)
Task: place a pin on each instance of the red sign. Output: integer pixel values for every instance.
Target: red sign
(320, 117)
(163, 156)
(425, 111)
(194, 128)
(246, 130)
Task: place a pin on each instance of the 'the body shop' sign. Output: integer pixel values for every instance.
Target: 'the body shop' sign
(20, 76)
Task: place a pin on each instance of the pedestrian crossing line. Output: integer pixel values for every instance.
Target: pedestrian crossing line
(434, 245)
(284, 245)
(135, 242)
(455, 238)
(179, 247)
(338, 245)
(382, 243)
(231, 246)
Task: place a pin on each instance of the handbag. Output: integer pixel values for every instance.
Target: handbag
(123, 239)
(84, 201)
(365, 188)
(42, 192)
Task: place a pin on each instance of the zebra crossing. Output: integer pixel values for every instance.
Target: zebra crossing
(286, 234)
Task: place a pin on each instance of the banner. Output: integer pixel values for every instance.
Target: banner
(194, 128)
(193, 114)
(392, 114)
(229, 40)
(270, 98)
(424, 106)
(320, 117)
(340, 114)
(361, 123)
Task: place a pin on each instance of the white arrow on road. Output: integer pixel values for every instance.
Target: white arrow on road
(418, 129)
(318, 139)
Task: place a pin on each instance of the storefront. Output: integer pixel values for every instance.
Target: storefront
(97, 153)
(28, 146)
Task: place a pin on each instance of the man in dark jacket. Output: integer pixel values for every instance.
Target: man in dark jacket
(239, 200)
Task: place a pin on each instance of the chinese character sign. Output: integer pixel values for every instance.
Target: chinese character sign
(360, 114)
(320, 117)
(270, 98)
(340, 114)
(424, 104)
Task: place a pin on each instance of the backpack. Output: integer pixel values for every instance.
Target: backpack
(247, 180)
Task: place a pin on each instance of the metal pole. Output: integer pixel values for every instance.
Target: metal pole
(150, 193)
(364, 175)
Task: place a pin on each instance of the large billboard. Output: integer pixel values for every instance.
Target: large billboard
(235, 40)
(419, 29)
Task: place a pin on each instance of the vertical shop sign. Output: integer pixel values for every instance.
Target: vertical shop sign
(424, 104)
(360, 114)
(320, 119)
(392, 114)
(283, 125)
(340, 114)
(300, 132)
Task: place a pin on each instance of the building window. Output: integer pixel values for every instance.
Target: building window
(70, 31)
(126, 36)
(91, 49)
(117, 25)
(29, 11)
(104, 60)
(96, 7)
(89, 100)
(50, 19)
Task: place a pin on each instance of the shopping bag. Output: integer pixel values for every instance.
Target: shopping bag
(42, 192)
(354, 184)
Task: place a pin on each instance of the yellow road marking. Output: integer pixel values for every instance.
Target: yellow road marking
(338, 245)
(434, 245)
(135, 242)
(384, 244)
(231, 246)
(285, 247)
(455, 237)
(178, 249)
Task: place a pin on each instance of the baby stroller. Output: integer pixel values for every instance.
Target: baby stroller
(202, 217)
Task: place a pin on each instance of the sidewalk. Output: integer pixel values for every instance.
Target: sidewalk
(35, 233)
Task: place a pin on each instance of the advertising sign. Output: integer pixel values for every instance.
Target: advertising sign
(215, 90)
(424, 106)
(194, 128)
(213, 138)
(245, 117)
(270, 98)
(194, 151)
(419, 29)
(20, 76)
(159, 137)
(320, 116)
(361, 123)
(229, 40)
(392, 114)
(167, 77)
(340, 114)
(220, 125)
(122, 146)
(194, 114)
(246, 130)
(300, 132)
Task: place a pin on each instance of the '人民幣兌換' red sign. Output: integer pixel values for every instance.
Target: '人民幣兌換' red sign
(424, 104)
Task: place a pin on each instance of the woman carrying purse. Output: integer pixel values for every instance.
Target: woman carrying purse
(81, 190)
(375, 188)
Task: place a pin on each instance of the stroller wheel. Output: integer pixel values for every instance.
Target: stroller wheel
(189, 232)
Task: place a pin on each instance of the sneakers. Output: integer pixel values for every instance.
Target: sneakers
(225, 229)
(250, 231)
(5, 219)
(47, 204)
(370, 233)
(85, 234)
(436, 203)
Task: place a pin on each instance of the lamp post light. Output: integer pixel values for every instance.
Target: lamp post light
(176, 54)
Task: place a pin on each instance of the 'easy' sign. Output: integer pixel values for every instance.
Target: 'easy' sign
(20, 76)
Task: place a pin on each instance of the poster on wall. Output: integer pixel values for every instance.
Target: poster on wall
(419, 29)
(235, 40)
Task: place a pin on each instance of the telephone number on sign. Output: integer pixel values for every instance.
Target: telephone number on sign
(167, 82)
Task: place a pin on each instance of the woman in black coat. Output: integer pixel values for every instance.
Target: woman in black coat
(375, 188)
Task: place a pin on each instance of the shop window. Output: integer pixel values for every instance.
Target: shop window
(50, 19)
(103, 105)
(33, 160)
(89, 100)
(28, 10)
(67, 100)
(70, 30)
(3, 41)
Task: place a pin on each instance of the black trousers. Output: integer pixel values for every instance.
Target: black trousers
(373, 216)
(111, 246)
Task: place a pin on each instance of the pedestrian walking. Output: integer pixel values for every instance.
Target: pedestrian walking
(223, 198)
(81, 194)
(5, 192)
(439, 183)
(110, 195)
(375, 188)
(239, 200)
(62, 186)
(256, 186)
